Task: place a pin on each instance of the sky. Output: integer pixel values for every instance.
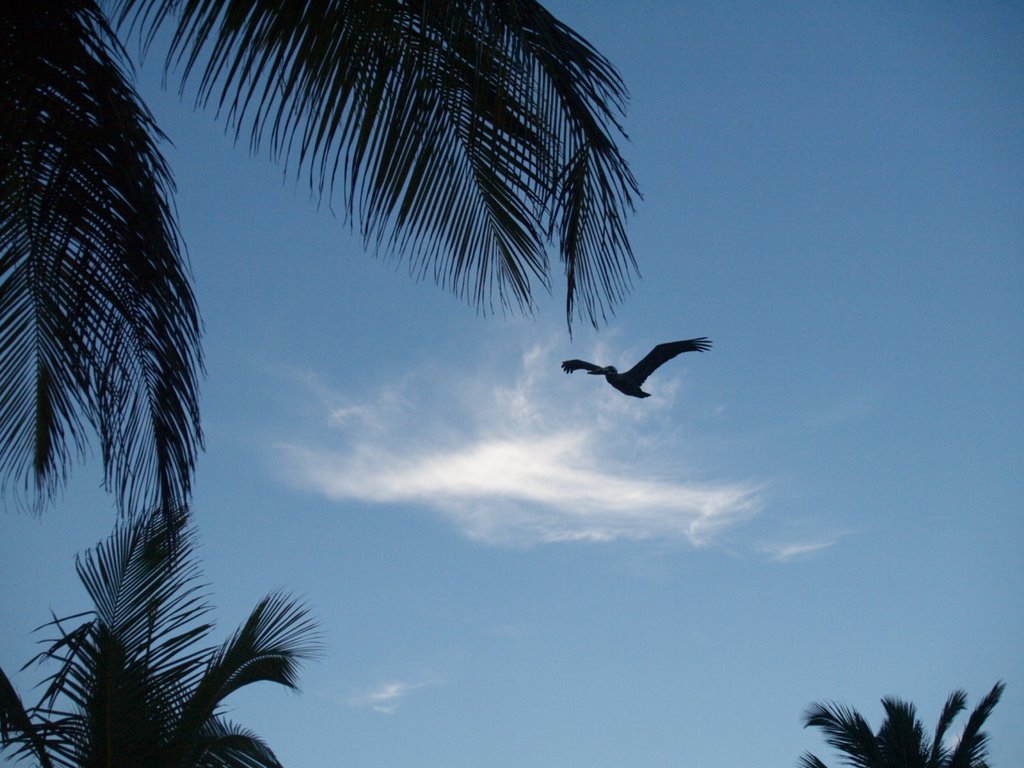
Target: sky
(511, 566)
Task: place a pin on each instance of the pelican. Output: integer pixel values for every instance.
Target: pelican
(628, 383)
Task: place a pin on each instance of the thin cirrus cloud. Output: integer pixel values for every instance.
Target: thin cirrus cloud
(386, 697)
(526, 463)
(793, 550)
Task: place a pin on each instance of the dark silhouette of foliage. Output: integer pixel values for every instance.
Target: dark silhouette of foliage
(463, 136)
(98, 327)
(901, 741)
(135, 684)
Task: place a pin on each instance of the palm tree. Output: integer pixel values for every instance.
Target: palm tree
(135, 683)
(902, 742)
(463, 136)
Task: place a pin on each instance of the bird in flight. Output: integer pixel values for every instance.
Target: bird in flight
(629, 382)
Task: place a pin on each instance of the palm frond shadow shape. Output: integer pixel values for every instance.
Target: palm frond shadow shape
(902, 741)
(461, 134)
(135, 682)
(463, 137)
(98, 325)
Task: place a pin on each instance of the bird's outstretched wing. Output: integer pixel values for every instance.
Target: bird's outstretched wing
(575, 365)
(662, 353)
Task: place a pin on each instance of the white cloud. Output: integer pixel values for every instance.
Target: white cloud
(546, 458)
(791, 550)
(386, 697)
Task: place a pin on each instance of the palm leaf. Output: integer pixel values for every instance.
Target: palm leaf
(59, 731)
(278, 635)
(145, 585)
(807, 760)
(901, 738)
(66, 650)
(226, 745)
(954, 705)
(847, 731)
(98, 327)
(972, 749)
(461, 135)
(17, 728)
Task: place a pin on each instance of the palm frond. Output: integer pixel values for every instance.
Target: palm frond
(223, 744)
(17, 728)
(462, 135)
(901, 738)
(954, 705)
(102, 707)
(847, 731)
(54, 735)
(67, 651)
(277, 636)
(807, 760)
(595, 188)
(972, 748)
(98, 326)
(145, 584)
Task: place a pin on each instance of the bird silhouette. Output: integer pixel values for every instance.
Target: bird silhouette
(628, 383)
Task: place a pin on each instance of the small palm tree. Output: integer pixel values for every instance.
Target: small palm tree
(902, 741)
(134, 684)
(465, 136)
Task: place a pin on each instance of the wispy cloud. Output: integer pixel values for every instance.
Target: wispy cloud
(542, 459)
(386, 697)
(793, 550)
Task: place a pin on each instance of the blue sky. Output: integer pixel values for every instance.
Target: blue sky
(515, 567)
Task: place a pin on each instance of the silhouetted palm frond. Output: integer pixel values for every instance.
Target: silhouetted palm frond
(136, 683)
(955, 704)
(462, 135)
(901, 741)
(16, 721)
(807, 760)
(98, 327)
(267, 648)
(846, 730)
(971, 750)
(225, 745)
